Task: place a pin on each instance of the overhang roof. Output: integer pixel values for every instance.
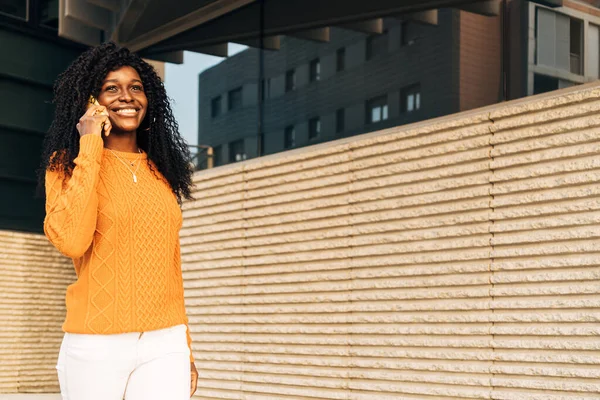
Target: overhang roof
(163, 29)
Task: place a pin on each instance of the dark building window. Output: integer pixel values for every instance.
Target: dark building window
(407, 32)
(315, 70)
(290, 137)
(49, 13)
(544, 83)
(215, 107)
(411, 98)
(340, 120)
(237, 151)
(340, 60)
(576, 46)
(290, 80)
(266, 89)
(377, 109)
(235, 99)
(217, 150)
(314, 127)
(376, 45)
(14, 8)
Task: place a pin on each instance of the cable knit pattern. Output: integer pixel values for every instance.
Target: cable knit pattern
(123, 238)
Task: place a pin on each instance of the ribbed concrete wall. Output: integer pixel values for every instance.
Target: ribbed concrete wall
(452, 259)
(33, 280)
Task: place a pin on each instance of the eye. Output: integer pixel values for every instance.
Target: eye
(110, 88)
(137, 88)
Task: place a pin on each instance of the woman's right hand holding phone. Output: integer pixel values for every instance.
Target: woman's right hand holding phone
(94, 121)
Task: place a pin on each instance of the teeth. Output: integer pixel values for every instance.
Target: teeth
(127, 111)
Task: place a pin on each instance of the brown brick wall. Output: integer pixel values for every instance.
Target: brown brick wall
(480, 60)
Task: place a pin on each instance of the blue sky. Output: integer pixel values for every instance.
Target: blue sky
(181, 82)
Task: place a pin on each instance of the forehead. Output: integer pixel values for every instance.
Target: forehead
(123, 74)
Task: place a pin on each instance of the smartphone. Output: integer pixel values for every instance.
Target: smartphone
(93, 101)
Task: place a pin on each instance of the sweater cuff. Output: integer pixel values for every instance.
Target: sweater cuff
(92, 146)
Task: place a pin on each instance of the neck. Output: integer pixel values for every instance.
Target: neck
(122, 142)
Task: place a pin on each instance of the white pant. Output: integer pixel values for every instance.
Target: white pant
(154, 365)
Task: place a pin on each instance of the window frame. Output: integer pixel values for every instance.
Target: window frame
(410, 90)
(377, 102)
(29, 4)
(576, 56)
(314, 70)
(290, 129)
(314, 128)
(290, 80)
(32, 25)
(232, 153)
(340, 59)
(219, 109)
(404, 34)
(231, 106)
(376, 45)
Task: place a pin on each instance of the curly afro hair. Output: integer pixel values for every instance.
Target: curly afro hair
(158, 134)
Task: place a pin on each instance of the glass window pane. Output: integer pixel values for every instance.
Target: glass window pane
(315, 70)
(314, 128)
(376, 114)
(290, 137)
(340, 59)
(576, 46)
(237, 151)
(410, 102)
(14, 8)
(411, 98)
(290, 80)
(235, 99)
(49, 13)
(215, 106)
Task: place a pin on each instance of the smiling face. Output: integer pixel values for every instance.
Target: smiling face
(122, 93)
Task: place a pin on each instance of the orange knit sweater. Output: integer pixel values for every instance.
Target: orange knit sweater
(123, 238)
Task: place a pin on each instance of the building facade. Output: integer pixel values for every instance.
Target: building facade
(414, 70)
(33, 55)
(314, 92)
(562, 45)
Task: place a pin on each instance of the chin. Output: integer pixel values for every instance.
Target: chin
(126, 129)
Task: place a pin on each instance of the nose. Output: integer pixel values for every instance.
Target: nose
(125, 96)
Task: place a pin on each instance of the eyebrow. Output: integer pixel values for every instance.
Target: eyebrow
(116, 80)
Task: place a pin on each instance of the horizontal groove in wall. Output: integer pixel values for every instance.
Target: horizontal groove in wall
(452, 260)
(33, 279)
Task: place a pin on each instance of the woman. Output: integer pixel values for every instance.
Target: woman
(115, 172)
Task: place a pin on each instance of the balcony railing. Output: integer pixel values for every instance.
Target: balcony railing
(202, 156)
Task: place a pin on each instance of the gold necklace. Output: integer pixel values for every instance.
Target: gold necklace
(133, 173)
